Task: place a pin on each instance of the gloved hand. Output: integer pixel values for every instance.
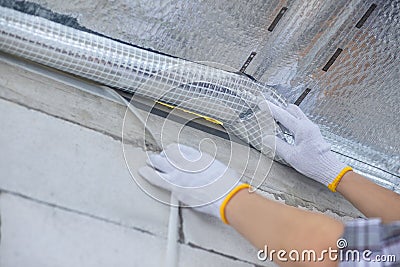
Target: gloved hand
(310, 155)
(196, 179)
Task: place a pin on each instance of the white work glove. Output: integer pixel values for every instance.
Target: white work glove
(196, 179)
(310, 154)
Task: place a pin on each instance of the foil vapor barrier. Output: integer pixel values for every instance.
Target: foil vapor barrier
(228, 97)
(339, 60)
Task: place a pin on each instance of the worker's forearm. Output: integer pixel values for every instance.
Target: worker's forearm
(266, 222)
(372, 200)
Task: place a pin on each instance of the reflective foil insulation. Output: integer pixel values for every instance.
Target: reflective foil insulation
(338, 60)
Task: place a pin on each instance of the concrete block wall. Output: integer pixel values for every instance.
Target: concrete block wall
(38, 234)
(67, 197)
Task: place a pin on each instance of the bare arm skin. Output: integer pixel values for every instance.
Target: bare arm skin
(279, 226)
(371, 199)
(266, 222)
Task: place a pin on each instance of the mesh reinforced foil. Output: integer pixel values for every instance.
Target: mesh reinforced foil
(339, 58)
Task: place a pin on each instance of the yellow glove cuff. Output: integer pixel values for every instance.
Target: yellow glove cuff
(228, 198)
(332, 186)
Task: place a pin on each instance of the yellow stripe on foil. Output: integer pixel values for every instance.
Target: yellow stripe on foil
(215, 121)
